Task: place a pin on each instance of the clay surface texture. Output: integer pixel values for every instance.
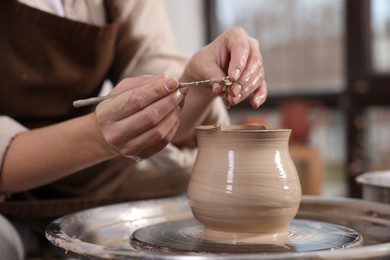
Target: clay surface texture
(244, 185)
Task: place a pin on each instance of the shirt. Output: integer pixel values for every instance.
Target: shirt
(145, 45)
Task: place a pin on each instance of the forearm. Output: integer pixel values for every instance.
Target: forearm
(43, 155)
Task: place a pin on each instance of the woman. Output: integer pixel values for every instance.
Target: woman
(55, 52)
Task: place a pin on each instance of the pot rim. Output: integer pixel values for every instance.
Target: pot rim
(238, 128)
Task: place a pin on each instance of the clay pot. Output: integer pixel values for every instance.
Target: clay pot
(244, 185)
(375, 186)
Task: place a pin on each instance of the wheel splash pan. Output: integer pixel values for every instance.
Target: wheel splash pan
(104, 232)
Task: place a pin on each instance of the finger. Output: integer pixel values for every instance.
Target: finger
(151, 150)
(239, 49)
(145, 119)
(234, 90)
(251, 78)
(259, 96)
(154, 139)
(126, 85)
(251, 84)
(138, 98)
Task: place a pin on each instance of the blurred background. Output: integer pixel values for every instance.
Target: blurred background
(328, 74)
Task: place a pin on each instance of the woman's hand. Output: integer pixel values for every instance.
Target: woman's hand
(236, 54)
(143, 119)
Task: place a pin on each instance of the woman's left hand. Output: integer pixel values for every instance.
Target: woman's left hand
(235, 54)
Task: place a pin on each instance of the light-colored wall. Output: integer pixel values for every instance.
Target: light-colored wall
(187, 19)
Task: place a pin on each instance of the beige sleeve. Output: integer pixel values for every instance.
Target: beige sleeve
(9, 128)
(145, 43)
(218, 114)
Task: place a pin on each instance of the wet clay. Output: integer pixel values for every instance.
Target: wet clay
(244, 185)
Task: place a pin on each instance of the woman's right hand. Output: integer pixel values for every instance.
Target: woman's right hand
(141, 120)
(137, 123)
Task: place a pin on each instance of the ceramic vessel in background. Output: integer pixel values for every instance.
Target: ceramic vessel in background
(375, 186)
(244, 185)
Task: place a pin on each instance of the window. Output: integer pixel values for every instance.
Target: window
(334, 54)
(301, 41)
(380, 26)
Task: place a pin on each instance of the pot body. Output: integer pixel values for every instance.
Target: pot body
(243, 182)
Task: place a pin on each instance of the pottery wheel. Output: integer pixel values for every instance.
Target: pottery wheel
(185, 236)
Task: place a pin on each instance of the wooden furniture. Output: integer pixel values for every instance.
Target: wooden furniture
(309, 166)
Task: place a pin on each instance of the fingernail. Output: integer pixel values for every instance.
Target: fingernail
(183, 91)
(171, 84)
(236, 74)
(237, 99)
(179, 95)
(259, 100)
(236, 89)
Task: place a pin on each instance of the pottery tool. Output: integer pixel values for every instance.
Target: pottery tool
(225, 81)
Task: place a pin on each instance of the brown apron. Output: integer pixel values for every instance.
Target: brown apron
(46, 62)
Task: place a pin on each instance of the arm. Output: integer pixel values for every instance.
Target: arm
(43, 155)
(130, 125)
(233, 53)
